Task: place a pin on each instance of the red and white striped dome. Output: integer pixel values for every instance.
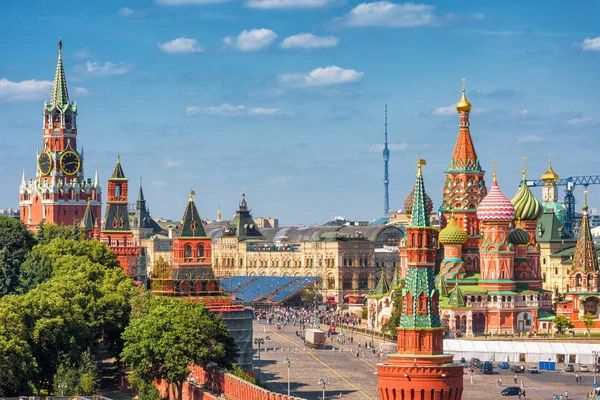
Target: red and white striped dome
(495, 207)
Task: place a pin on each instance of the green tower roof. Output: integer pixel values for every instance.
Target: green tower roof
(89, 221)
(456, 297)
(527, 206)
(584, 258)
(191, 223)
(382, 286)
(60, 94)
(420, 212)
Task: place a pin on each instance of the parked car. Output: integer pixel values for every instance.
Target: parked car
(533, 370)
(584, 368)
(517, 368)
(487, 367)
(503, 365)
(596, 368)
(476, 362)
(569, 368)
(511, 391)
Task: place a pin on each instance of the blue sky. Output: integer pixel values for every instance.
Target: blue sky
(285, 98)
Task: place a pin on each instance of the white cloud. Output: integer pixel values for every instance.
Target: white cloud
(524, 112)
(188, 2)
(529, 139)
(94, 68)
(280, 180)
(24, 90)
(80, 90)
(309, 41)
(283, 4)
(582, 121)
(230, 110)
(252, 40)
(180, 45)
(376, 148)
(80, 54)
(391, 15)
(158, 183)
(168, 163)
(130, 12)
(591, 44)
(445, 110)
(331, 75)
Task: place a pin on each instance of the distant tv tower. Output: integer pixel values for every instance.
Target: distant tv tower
(386, 177)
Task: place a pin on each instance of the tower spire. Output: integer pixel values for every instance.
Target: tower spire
(386, 178)
(60, 94)
(420, 211)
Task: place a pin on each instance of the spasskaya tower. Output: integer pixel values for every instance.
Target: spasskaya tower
(60, 192)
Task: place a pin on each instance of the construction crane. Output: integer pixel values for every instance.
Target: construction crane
(569, 201)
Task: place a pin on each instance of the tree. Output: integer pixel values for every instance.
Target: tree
(561, 323)
(15, 242)
(36, 269)
(172, 335)
(15, 239)
(16, 361)
(589, 320)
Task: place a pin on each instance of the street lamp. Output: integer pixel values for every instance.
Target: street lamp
(259, 342)
(62, 386)
(288, 361)
(324, 382)
(595, 354)
(373, 310)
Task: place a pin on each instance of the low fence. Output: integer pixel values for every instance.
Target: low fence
(210, 384)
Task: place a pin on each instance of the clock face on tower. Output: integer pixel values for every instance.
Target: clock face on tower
(70, 163)
(45, 163)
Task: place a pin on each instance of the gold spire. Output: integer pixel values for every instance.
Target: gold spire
(494, 161)
(550, 175)
(192, 193)
(585, 206)
(219, 213)
(463, 104)
(524, 168)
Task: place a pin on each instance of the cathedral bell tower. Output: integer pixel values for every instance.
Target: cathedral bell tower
(60, 192)
(465, 187)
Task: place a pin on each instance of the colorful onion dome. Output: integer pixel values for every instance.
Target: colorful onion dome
(519, 236)
(409, 202)
(452, 234)
(495, 207)
(527, 207)
(463, 104)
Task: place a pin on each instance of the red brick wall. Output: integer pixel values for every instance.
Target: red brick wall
(230, 386)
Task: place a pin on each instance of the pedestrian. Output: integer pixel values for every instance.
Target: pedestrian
(357, 353)
(515, 379)
(341, 396)
(524, 395)
(471, 379)
(522, 384)
(500, 381)
(566, 395)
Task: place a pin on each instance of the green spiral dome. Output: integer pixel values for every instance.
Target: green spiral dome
(452, 234)
(518, 236)
(527, 207)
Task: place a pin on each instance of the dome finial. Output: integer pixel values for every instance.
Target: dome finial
(463, 104)
(585, 206)
(420, 163)
(550, 175)
(494, 161)
(524, 168)
(59, 45)
(192, 194)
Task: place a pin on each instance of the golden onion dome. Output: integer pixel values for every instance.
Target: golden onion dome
(452, 234)
(463, 104)
(550, 175)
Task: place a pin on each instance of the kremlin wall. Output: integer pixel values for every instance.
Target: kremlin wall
(495, 265)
